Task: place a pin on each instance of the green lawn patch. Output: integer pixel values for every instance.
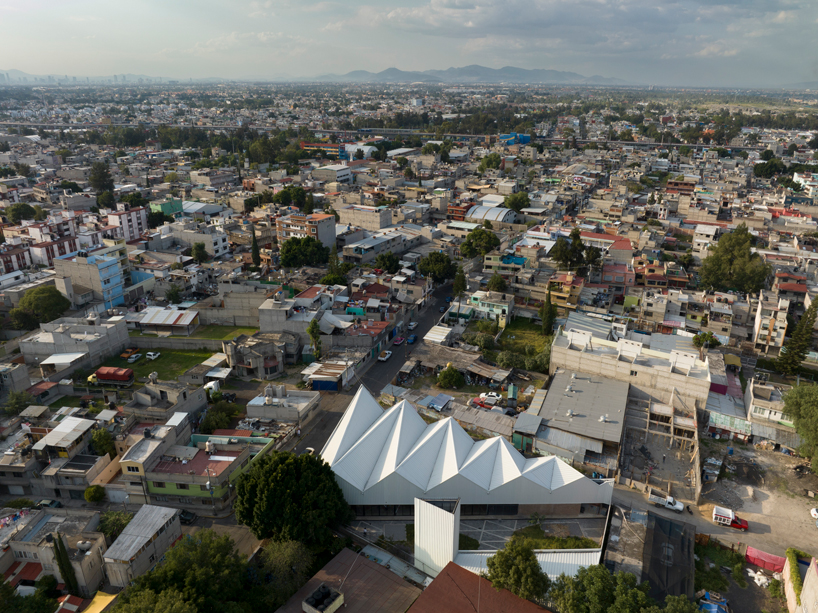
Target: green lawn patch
(540, 540)
(65, 401)
(712, 578)
(221, 333)
(520, 333)
(170, 364)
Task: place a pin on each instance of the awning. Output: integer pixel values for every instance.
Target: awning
(674, 321)
(732, 359)
(490, 372)
(219, 373)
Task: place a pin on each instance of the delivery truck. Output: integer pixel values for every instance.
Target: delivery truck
(728, 517)
(665, 502)
(110, 375)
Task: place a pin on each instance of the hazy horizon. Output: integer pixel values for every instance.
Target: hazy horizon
(720, 43)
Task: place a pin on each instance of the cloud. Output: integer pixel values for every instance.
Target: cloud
(716, 49)
(784, 17)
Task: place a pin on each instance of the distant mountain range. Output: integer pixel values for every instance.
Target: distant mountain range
(473, 74)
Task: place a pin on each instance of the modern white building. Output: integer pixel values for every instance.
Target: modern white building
(384, 460)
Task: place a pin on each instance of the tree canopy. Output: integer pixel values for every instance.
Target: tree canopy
(312, 506)
(732, 265)
(497, 283)
(173, 294)
(438, 266)
(314, 332)
(595, 590)
(19, 211)
(516, 569)
(801, 406)
(287, 566)
(388, 261)
(450, 378)
(570, 253)
(199, 253)
(492, 160)
(300, 252)
(795, 350)
(16, 402)
(100, 177)
(112, 523)
(517, 202)
(39, 305)
(459, 284)
(479, 241)
(157, 218)
(103, 442)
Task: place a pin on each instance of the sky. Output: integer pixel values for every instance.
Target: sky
(712, 43)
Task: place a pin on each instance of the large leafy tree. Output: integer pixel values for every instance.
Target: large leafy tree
(497, 283)
(438, 266)
(19, 211)
(286, 565)
(289, 497)
(516, 569)
(450, 378)
(333, 279)
(797, 348)
(100, 177)
(595, 590)
(517, 202)
(732, 264)
(103, 442)
(199, 253)
(148, 601)
(314, 332)
(389, 262)
(157, 218)
(206, 570)
(459, 285)
(479, 241)
(112, 523)
(16, 402)
(801, 406)
(173, 294)
(39, 305)
(570, 252)
(300, 252)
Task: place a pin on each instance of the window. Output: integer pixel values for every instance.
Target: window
(182, 486)
(152, 558)
(133, 469)
(135, 484)
(634, 373)
(160, 498)
(159, 484)
(759, 411)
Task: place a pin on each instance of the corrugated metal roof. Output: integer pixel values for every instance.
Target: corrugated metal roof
(66, 432)
(599, 328)
(157, 316)
(553, 563)
(527, 423)
(139, 531)
(438, 335)
(493, 421)
(63, 358)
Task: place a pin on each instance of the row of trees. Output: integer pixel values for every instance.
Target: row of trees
(573, 254)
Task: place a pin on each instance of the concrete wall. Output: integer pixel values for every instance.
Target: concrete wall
(182, 344)
(239, 309)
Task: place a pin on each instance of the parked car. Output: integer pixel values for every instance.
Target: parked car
(187, 517)
(448, 299)
(47, 503)
(412, 325)
(152, 355)
(443, 309)
(128, 352)
(385, 355)
(134, 358)
(412, 338)
(398, 341)
(492, 395)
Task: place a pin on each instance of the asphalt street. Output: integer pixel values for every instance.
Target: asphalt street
(315, 434)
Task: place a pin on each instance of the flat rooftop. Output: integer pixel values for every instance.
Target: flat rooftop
(200, 465)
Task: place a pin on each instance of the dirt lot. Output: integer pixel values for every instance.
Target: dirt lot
(762, 487)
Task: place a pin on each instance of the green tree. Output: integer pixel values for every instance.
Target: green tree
(100, 177)
(173, 294)
(497, 283)
(409, 173)
(312, 507)
(438, 266)
(594, 590)
(592, 256)
(106, 200)
(314, 332)
(94, 493)
(112, 523)
(517, 202)
(801, 406)
(300, 252)
(548, 314)
(103, 442)
(487, 225)
(450, 378)
(255, 254)
(388, 262)
(492, 160)
(39, 213)
(287, 564)
(705, 338)
(157, 218)
(199, 253)
(39, 305)
(171, 177)
(206, 570)
(732, 265)
(17, 402)
(20, 211)
(148, 601)
(795, 350)
(510, 359)
(214, 420)
(515, 568)
(459, 284)
(333, 279)
(65, 567)
(479, 242)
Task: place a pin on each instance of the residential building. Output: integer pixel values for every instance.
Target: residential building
(764, 403)
(370, 218)
(319, 226)
(69, 478)
(158, 400)
(142, 544)
(46, 252)
(565, 290)
(211, 178)
(83, 272)
(334, 173)
(14, 257)
(770, 324)
(368, 249)
(68, 438)
(188, 233)
(33, 551)
(259, 356)
(97, 338)
(492, 305)
(131, 222)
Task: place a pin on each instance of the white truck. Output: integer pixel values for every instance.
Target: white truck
(728, 517)
(665, 502)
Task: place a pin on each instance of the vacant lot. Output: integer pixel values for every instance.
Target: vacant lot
(216, 333)
(520, 333)
(170, 364)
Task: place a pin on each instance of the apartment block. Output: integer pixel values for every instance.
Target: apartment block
(97, 338)
(770, 324)
(334, 173)
(367, 217)
(104, 276)
(370, 248)
(158, 400)
(319, 226)
(131, 222)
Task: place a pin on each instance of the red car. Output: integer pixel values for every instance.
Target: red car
(398, 341)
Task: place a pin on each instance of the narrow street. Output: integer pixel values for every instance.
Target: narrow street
(333, 405)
